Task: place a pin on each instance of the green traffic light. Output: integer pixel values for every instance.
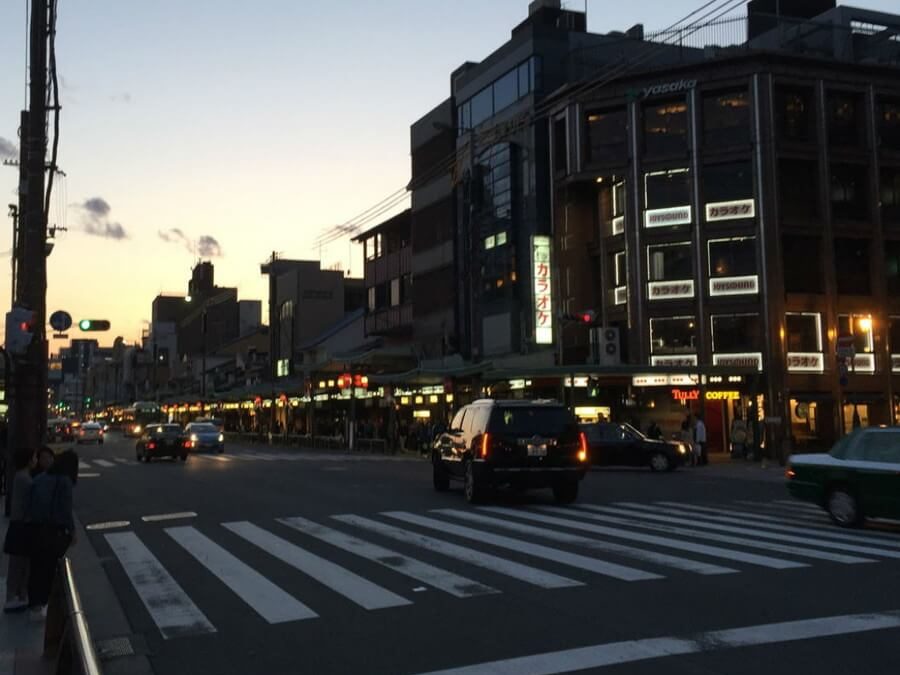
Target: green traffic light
(87, 325)
(84, 324)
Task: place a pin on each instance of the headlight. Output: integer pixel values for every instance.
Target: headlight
(681, 449)
(137, 428)
(221, 438)
(194, 438)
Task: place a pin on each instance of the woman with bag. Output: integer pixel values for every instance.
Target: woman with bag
(16, 543)
(52, 526)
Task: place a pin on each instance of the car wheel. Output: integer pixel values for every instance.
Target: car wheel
(565, 493)
(844, 508)
(660, 462)
(221, 449)
(439, 477)
(472, 487)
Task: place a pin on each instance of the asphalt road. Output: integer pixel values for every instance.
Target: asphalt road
(410, 581)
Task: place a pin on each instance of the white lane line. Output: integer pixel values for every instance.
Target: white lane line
(677, 562)
(243, 457)
(263, 456)
(352, 586)
(820, 525)
(108, 525)
(800, 506)
(536, 550)
(755, 532)
(220, 458)
(666, 542)
(104, 463)
(265, 598)
(526, 573)
(173, 612)
(784, 511)
(630, 651)
(441, 579)
(88, 475)
(83, 465)
(793, 550)
(169, 516)
(122, 460)
(713, 522)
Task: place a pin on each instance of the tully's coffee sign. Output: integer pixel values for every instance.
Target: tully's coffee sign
(746, 285)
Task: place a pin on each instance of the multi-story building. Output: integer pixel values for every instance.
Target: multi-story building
(740, 207)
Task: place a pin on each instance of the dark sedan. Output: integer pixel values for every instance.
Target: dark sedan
(613, 444)
(162, 440)
(205, 436)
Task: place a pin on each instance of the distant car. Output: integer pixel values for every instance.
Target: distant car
(858, 479)
(205, 436)
(59, 429)
(524, 444)
(613, 444)
(162, 440)
(90, 432)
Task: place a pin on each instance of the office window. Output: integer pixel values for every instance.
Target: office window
(464, 116)
(371, 299)
(803, 331)
(395, 292)
(794, 111)
(851, 262)
(665, 128)
(802, 264)
(669, 262)
(673, 335)
(892, 270)
(726, 119)
(849, 192)
(560, 146)
(495, 166)
(665, 189)
(524, 78)
(889, 194)
(845, 119)
(727, 182)
(734, 257)
(482, 106)
(735, 333)
(798, 190)
(889, 123)
(607, 136)
(860, 326)
(506, 91)
(619, 270)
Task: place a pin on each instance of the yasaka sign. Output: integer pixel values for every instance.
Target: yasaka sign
(543, 290)
(668, 88)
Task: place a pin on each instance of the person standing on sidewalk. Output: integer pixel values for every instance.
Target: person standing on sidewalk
(700, 438)
(16, 545)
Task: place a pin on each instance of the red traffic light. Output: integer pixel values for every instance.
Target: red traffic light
(587, 318)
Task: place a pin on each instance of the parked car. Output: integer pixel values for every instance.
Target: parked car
(162, 440)
(858, 479)
(613, 444)
(90, 432)
(204, 436)
(524, 444)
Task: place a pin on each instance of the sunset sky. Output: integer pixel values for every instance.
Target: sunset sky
(233, 129)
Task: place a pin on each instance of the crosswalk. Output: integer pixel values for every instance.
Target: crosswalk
(289, 568)
(86, 464)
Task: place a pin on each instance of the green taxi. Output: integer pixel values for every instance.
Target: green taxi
(858, 479)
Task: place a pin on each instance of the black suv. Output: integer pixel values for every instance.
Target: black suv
(525, 444)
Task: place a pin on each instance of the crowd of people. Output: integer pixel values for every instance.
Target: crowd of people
(41, 526)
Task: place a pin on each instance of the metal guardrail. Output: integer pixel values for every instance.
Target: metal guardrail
(67, 637)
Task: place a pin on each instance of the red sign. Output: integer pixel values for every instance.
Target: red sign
(683, 395)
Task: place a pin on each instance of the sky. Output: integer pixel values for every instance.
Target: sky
(227, 129)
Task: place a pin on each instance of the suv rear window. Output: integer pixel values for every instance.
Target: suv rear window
(165, 429)
(531, 421)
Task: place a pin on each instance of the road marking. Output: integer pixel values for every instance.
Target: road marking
(441, 579)
(630, 651)
(169, 516)
(537, 550)
(530, 575)
(677, 562)
(800, 506)
(262, 456)
(173, 612)
(702, 549)
(819, 543)
(88, 475)
(220, 458)
(109, 525)
(83, 465)
(352, 586)
(122, 460)
(265, 598)
(796, 551)
(104, 463)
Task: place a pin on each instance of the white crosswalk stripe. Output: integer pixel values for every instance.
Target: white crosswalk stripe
(122, 460)
(104, 463)
(268, 600)
(444, 580)
(83, 466)
(537, 550)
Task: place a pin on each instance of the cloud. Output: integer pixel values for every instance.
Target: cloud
(206, 246)
(8, 150)
(95, 219)
(174, 236)
(209, 247)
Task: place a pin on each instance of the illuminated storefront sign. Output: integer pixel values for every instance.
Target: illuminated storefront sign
(579, 381)
(742, 208)
(283, 367)
(543, 293)
(621, 295)
(664, 380)
(805, 362)
(895, 363)
(734, 285)
(863, 363)
(676, 215)
(686, 394)
(694, 395)
(674, 360)
(749, 360)
(673, 87)
(670, 290)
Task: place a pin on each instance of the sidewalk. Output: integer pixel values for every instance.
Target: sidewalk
(721, 465)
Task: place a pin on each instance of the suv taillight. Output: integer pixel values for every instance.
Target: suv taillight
(485, 444)
(583, 447)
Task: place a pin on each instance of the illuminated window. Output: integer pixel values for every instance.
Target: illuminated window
(669, 262)
(733, 257)
(673, 335)
(861, 327)
(665, 128)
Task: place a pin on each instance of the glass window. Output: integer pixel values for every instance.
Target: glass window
(674, 335)
(889, 124)
(395, 292)
(665, 189)
(501, 238)
(560, 146)
(607, 136)
(482, 106)
(734, 333)
(490, 242)
(726, 119)
(849, 190)
(665, 128)
(735, 257)
(861, 327)
(802, 264)
(892, 271)
(619, 198)
(727, 182)
(524, 78)
(798, 188)
(794, 110)
(804, 332)
(669, 262)
(535, 72)
(620, 273)
(889, 193)
(458, 419)
(506, 90)
(464, 116)
(880, 446)
(845, 115)
(542, 420)
(851, 262)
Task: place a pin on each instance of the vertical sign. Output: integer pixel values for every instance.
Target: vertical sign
(542, 292)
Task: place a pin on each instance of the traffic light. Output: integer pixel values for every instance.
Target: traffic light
(587, 317)
(91, 325)
(19, 330)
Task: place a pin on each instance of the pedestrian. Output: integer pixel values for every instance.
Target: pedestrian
(51, 522)
(687, 437)
(45, 459)
(16, 543)
(738, 437)
(700, 439)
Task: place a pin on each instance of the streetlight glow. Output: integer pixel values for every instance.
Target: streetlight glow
(865, 324)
